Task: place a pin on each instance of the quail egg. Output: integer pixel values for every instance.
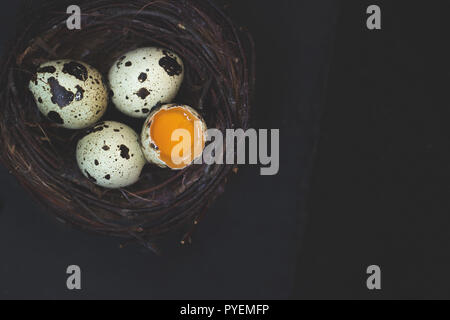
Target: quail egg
(165, 145)
(145, 78)
(69, 93)
(110, 155)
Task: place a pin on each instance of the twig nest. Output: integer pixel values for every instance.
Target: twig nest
(145, 78)
(173, 136)
(218, 82)
(69, 93)
(110, 155)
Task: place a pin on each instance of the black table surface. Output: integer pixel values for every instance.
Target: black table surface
(380, 189)
(245, 251)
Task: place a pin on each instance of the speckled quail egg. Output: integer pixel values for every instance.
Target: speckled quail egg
(163, 146)
(145, 78)
(70, 93)
(110, 155)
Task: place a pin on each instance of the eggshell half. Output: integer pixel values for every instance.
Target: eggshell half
(149, 147)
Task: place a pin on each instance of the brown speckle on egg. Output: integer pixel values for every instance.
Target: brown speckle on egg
(170, 64)
(80, 93)
(143, 93)
(60, 95)
(124, 152)
(47, 69)
(55, 117)
(119, 62)
(142, 77)
(76, 69)
(90, 177)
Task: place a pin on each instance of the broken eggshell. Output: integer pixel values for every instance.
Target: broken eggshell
(69, 93)
(145, 78)
(110, 155)
(152, 151)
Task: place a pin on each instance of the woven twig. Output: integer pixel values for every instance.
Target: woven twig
(218, 83)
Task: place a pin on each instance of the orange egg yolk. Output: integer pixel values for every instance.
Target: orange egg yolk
(178, 148)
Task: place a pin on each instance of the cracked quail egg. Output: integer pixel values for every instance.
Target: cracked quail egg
(145, 78)
(69, 93)
(110, 155)
(164, 145)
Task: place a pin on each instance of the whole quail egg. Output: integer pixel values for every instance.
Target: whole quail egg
(110, 155)
(70, 93)
(164, 145)
(145, 78)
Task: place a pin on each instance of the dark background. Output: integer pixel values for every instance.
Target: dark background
(364, 174)
(380, 192)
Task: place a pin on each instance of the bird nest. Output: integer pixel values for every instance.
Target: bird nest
(218, 59)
